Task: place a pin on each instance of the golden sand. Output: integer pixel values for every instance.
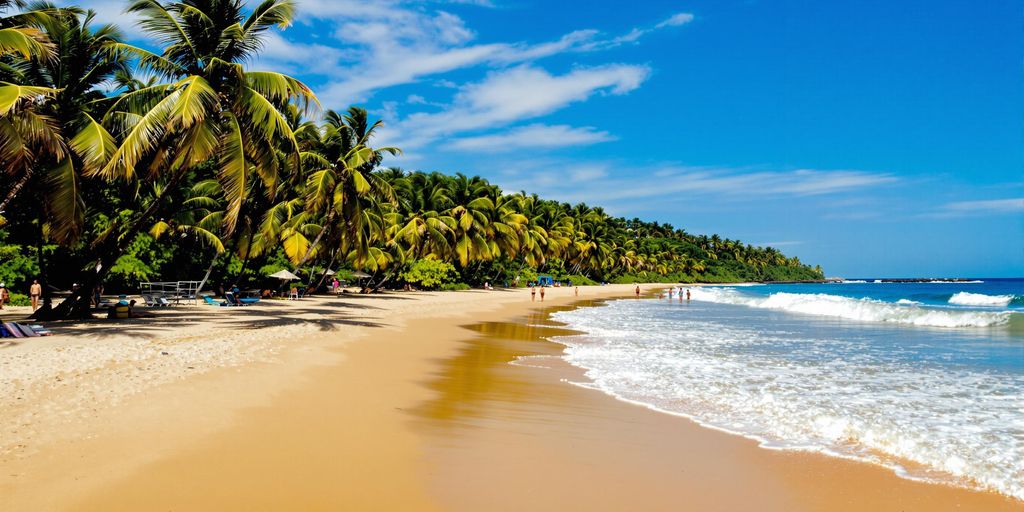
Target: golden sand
(395, 402)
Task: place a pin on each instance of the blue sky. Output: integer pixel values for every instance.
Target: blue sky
(875, 138)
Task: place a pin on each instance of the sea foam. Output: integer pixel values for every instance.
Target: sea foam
(865, 310)
(864, 394)
(980, 299)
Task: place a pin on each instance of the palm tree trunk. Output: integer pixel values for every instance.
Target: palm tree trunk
(323, 277)
(207, 275)
(15, 189)
(316, 241)
(248, 256)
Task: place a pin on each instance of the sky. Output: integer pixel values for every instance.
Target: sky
(875, 138)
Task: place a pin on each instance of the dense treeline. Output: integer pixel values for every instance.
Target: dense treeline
(121, 165)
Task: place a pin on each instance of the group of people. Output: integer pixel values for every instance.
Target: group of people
(35, 293)
(678, 291)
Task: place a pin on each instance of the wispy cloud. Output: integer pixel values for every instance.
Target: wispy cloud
(511, 95)
(983, 207)
(112, 12)
(389, 42)
(621, 184)
(531, 136)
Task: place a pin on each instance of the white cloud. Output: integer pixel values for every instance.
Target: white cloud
(294, 58)
(669, 181)
(112, 12)
(531, 136)
(395, 42)
(991, 206)
(508, 96)
(676, 20)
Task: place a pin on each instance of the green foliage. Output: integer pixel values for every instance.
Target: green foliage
(17, 266)
(578, 280)
(430, 274)
(448, 287)
(20, 299)
(143, 261)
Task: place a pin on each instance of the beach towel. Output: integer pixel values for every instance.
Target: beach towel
(13, 330)
(26, 330)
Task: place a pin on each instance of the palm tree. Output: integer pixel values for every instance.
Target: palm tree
(212, 116)
(342, 186)
(84, 62)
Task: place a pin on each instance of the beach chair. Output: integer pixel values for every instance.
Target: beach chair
(162, 301)
(232, 300)
(209, 300)
(149, 300)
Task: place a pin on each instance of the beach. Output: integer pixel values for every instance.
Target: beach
(396, 401)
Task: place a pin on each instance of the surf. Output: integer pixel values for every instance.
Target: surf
(860, 309)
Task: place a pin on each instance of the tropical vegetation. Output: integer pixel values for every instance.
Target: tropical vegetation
(121, 164)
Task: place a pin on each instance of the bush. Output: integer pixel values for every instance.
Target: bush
(454, 287)
(430, 274)
(18, 299)
(578, 280)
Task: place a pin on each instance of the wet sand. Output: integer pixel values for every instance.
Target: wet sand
(419, 409)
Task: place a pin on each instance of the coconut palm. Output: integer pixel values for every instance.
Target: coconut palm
(84, 61)
(210, 116)
(342, 186)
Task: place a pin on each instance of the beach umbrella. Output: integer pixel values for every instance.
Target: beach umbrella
(285, 275)
(329, 273)
(360, 275)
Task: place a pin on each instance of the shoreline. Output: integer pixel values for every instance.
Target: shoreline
(347, 405)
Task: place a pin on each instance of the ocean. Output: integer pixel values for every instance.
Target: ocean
(924, 378)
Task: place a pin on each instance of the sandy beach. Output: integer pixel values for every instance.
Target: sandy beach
(414, 401)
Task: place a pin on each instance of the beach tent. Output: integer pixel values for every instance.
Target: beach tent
(284, 275)
(545, 281)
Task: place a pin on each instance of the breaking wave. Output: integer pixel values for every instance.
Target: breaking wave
(980, 299)
(867, 310)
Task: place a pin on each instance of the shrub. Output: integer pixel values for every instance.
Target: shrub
(430, 274)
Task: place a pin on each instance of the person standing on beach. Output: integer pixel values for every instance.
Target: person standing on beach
(638, 291)
(35, 292)
(577, 291)
(4, 295)
(542, 293)
(533, 293)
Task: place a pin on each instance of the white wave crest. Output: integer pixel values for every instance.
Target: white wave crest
(980, 299)
(908, 302)
(866, 310)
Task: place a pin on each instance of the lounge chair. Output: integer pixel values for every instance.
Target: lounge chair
(162, 301)
(249, 300)
(209, 300)
(232, 300)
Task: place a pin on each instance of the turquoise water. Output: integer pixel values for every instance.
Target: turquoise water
(925, 378)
